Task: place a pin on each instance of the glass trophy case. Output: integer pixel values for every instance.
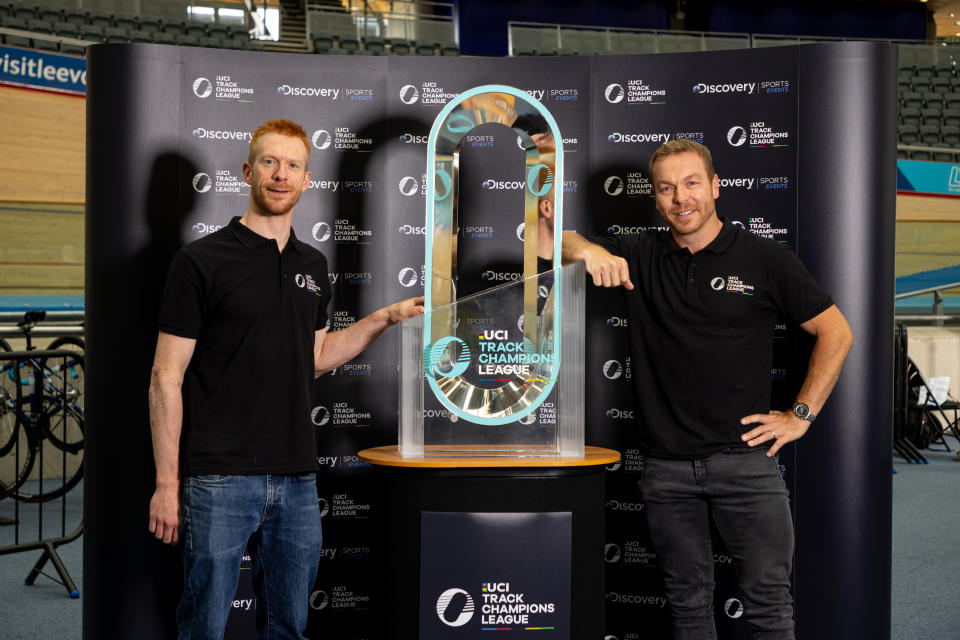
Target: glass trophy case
(494, 368)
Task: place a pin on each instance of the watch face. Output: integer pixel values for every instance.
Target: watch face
(801, 410)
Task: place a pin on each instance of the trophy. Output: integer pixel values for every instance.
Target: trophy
(494, 367)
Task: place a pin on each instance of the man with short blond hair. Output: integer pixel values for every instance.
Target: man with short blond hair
(702, 301)
(242, 337)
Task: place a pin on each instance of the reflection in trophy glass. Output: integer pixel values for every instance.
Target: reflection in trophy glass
(490, 352)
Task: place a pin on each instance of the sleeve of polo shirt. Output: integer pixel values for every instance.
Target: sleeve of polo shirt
(181, 312)
(794, 291)
(621, 246)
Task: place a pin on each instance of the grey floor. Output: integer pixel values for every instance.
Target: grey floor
(926, 560)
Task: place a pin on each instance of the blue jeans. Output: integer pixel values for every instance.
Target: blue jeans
(280, 516)
(742, 490)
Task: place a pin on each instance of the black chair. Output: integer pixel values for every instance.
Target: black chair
(929, 134)
(376, 46)
(73, 49)
(40, 26)
(943, 70)
(13, 22)
(349, 43)
(218, 31)
(524, 51)
(953, 101)
(113, 34)
(951, 135)
(91, 32)
(926, 70)
(951, 117)
(195, 29)
(174, 27)
(425, 48)
(922, 85)
(66, 29)
(322, 42)
(50, 14)
(449, 49)
(942, 85)
(399, 47)
(921, 155)
(929, 420)
(933, 99)
(45, 45)
(909, 134)
(211, 43)
(150, 23)
(160, 37)
(125, 22)
(139, 35)
(931, 115)
(911, 115)
(23, 11)
(100, 18)
(943, 156)
(75, 16)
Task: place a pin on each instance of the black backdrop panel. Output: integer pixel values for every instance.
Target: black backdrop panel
(801, 142)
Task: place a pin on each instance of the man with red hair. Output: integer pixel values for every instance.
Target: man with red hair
(242, 336)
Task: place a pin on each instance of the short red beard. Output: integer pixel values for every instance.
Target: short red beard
(268, 207)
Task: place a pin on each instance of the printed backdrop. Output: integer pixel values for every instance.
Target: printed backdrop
(368, 119)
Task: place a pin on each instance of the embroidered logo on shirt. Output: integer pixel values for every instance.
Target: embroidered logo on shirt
(732, 284)
(305, 281)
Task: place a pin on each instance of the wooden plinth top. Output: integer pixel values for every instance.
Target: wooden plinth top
(389, 456)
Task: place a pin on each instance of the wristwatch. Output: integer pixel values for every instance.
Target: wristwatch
(802, 411)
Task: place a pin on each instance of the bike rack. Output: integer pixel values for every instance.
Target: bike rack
(36, 424)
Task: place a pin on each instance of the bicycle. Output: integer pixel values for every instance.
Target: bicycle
(41, 402)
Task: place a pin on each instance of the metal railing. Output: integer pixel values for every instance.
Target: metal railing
(586, 39)
(954, 153)
(406, 20)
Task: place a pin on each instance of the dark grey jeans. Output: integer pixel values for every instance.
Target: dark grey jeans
(742, 490)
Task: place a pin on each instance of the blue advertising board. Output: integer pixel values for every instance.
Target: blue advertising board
(939, 178)
(43, 70)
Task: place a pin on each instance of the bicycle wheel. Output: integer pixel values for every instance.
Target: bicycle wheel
(70, 343)
(8, 402)
(59, 452)
(16, 462)
(54, 471)
(63, 380)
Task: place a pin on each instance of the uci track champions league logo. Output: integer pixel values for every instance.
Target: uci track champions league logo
(635, 92)
(757, 135)
(499, 356)
(426, 93)
(500, 606)
(222, 182)
(223, 89)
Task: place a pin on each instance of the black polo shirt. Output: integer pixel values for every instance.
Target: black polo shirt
(253, 311)
(701, 333)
